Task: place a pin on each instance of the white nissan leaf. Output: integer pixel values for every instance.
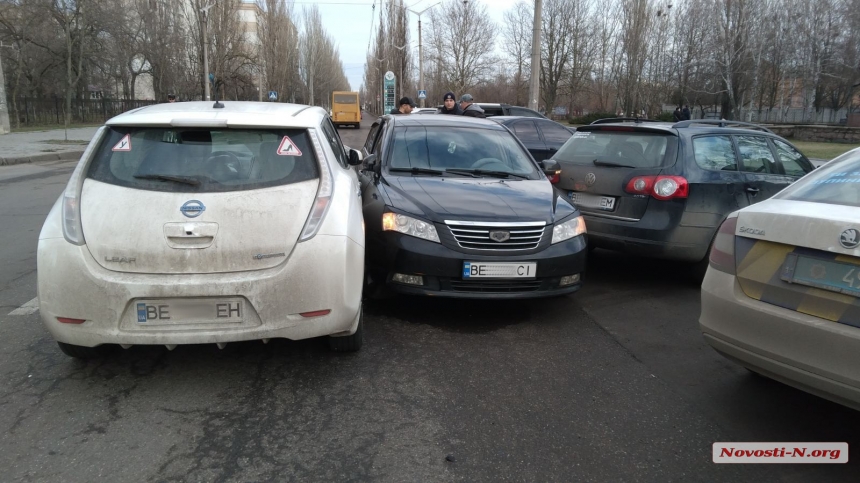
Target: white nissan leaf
(194, 223)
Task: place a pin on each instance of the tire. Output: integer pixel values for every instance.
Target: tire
(81, 352)
(349, 343)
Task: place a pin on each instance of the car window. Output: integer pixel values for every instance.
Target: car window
(715, 153)
(203, 160)
(519, 111)
(371, 137)
(837, 182)
(636, 149)
(756, 156)
(793, 163)
(554, 133)
(492, 110)
(333, 139)
(462, 148)
(526, 131)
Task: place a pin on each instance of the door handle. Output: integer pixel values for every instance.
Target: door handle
(553, 149)
(752, 190)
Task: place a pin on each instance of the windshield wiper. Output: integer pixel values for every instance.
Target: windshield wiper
(415, 170)
(608, 164)
(169, 177)
(488, 172)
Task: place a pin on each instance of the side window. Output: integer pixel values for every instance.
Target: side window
(715, 153)
(371, 137)
(793, 163)
(553, 133)
(334, 141)
(756, 156)
(526, 132)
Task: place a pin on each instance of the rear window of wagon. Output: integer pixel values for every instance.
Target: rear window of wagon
(203, 160)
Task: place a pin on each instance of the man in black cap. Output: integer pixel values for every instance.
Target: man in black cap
(406, 105)
(449, 105)
(470, 109)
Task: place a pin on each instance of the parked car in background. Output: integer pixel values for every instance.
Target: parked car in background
(177, 228)
(456, 207)
(663, 189)
(542, 137)
(495, 109)
(425, 110)
(782, 294)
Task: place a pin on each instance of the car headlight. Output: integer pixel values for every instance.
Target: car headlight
(409, 226)
(569, 229)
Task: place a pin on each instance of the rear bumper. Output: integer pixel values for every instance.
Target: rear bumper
(442, 269)
(812, 354)
(325, 272)
(659, 233)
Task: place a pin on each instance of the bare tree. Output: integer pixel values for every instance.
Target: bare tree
(517, 40)
(462, 41)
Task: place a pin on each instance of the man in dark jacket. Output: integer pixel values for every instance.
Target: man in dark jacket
(406, 105)
(470, 109)
(685, 113)
(449, 105)
(677, 116)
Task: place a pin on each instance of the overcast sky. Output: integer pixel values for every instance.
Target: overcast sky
(349, 23)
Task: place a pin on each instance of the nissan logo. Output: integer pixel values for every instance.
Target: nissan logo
(850, 238)
(192, 208)
(590, 179)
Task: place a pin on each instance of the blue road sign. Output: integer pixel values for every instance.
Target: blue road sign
(273, 96)
(422, 94)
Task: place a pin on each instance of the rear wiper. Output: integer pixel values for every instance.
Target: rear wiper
(416, 170)
(597, 162)
(488, 172)
(169, 177)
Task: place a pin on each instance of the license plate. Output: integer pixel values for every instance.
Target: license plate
(824, 274)
(585, 200)
(196, 311)
(499, 270)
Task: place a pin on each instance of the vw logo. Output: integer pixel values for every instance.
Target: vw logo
(590, 179)
(850, 238)
(192, 208)
(500, 236)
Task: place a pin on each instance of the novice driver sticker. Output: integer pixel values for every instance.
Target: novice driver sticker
(124, 144)
(288, 148)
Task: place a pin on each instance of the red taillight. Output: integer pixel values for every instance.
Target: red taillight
(660, 187)
(316, 313)
(554, 177)
(66, 320)
(722, 255)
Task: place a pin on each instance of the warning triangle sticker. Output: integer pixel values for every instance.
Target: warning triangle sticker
(288, 148)
(124, 144)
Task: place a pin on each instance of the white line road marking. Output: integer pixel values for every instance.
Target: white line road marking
(30, 307)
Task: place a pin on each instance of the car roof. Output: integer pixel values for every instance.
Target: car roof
(443, 121)
(234, 114)
(696, 126)
(514, 118)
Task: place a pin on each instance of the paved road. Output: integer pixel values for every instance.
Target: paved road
(613, 383)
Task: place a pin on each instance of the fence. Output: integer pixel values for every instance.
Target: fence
(46, 112)
(794, 115)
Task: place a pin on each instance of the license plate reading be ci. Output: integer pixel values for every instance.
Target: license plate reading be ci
(499, 270)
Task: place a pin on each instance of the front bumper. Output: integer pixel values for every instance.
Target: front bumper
(812, 354)
(323, 273)
(442, 269)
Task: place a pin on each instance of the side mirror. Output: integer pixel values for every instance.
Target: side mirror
(354, 157)
(370, 164)
(552, 170)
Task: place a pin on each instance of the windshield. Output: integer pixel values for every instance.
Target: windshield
(443, 148)
(203, 160)
(630, 149)
(837, 183)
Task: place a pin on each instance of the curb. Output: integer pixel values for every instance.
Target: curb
(41, 157)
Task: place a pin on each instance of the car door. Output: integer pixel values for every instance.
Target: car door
(526, 131)
(762, 176)
(792, 162)
(722, 187)
(554, 135)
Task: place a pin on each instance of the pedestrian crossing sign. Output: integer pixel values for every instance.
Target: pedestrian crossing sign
(422, 94)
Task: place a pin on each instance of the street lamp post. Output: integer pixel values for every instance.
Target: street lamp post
(205, 11)
(420, 49)
(402, 61)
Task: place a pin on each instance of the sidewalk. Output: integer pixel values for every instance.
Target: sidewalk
(30, 147)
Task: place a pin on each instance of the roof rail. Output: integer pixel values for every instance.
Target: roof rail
(721, 123)
(623, 119)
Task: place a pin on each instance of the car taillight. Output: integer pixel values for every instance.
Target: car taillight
(324, 192)
(72, 228)
(722, 255)
(554, 176)
(660, 187)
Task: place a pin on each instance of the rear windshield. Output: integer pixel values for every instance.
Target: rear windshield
(634, 149)
(837, 183)
(203, 160)
(461, 148)
(345, 99)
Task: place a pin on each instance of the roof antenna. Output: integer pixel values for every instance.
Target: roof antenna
(217, 105)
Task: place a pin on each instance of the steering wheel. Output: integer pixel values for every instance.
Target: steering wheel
(487, 161)
(230, 167)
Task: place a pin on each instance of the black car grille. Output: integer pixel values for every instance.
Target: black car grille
(478, 237)
(496, 286)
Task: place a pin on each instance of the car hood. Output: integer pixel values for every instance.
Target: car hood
(475, 199)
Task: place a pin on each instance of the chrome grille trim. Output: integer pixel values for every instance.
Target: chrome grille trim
(476, 235)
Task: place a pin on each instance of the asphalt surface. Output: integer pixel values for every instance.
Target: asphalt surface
(613, 383)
